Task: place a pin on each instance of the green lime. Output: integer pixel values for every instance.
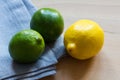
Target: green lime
(48, 22)
(26, 46)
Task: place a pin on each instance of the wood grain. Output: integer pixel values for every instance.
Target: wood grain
(106, 65)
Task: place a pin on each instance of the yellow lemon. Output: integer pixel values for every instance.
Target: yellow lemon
(84, 39)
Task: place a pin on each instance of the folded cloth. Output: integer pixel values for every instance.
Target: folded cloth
(15, 16)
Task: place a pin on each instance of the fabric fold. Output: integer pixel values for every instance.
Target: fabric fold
(32, 74)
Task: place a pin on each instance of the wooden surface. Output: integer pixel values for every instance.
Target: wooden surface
(106, 65)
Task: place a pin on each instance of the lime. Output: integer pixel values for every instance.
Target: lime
(26, 46)
(48, 22)
(84, 39)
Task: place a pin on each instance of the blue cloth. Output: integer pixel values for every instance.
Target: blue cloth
(15, 16)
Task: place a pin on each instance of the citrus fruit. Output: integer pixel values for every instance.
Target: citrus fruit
(48, 22)
(26, 46)
(84, 39)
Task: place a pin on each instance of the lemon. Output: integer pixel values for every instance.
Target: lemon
(84, 39)
(26, 46)
(48, 22)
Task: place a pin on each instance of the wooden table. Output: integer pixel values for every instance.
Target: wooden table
(106, 65)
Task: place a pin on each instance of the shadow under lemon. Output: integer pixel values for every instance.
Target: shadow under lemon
(77, 69)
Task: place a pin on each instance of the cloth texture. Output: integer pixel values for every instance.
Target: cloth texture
(15, 15)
